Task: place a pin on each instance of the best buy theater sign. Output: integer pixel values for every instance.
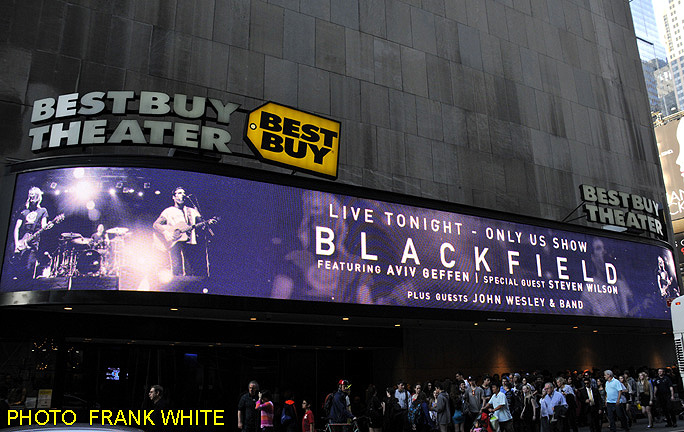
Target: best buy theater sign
(276, 134)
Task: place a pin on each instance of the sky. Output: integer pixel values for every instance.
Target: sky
(660, 7)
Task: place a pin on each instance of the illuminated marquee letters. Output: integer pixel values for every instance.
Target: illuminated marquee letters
(597, 202)
(131, 131)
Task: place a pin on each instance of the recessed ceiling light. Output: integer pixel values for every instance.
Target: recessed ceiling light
(173, 309)
(345, 318)
(68, 308)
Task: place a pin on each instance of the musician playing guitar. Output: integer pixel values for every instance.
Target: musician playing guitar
(32, 219)
(182, 247)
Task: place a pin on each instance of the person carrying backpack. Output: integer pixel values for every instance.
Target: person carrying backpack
(340, 407)
(288, 417)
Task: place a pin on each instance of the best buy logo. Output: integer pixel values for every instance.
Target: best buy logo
(287, 137)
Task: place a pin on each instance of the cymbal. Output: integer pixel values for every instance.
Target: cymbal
(82, 240)
(117, 231)
(70, 235)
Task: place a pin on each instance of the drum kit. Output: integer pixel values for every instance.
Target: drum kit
(83, 256)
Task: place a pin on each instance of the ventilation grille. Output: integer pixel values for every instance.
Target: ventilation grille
(679, 348)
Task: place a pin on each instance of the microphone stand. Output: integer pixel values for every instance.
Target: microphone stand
(195, 202)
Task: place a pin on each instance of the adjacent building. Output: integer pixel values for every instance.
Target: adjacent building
(651, 51)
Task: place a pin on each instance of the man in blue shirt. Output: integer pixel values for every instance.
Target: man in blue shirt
(549, 402)
(614, 390)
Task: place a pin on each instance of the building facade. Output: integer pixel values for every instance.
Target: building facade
(481, 114)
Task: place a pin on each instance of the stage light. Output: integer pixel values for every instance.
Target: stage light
(58, 192)
(94, 214)
(84, 190)
(146, 185)
(53, 185)
(157, 192)
(119, 185)
(140, 194)
(79, 173)
(112, 191)
(165, 276)
(90, 205)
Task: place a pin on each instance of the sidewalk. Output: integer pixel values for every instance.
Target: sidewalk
(640, 426)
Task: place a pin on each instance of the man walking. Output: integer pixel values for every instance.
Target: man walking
(591, 405)
(247, 416)
(614, 390)
(664, 393)
(550, 403)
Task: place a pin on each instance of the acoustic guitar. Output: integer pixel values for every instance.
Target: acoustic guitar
(173, 234)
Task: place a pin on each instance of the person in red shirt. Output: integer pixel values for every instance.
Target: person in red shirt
(308, 419)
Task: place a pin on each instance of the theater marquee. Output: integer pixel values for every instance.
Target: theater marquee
(271, 241)
(276, 134)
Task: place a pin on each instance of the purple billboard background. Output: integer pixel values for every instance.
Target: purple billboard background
(274, 241)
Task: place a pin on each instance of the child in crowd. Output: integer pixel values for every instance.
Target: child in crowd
(478, 427)
(308, 419)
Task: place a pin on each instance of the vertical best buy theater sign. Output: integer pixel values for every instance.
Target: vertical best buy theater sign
(276, 134)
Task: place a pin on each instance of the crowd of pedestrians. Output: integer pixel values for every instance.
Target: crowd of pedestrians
(515, 402)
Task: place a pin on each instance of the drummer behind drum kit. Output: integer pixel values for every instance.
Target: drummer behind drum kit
(82, 256)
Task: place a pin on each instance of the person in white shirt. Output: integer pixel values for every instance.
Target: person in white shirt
(499, 406)
(176, 234)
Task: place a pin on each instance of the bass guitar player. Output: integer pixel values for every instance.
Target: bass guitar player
(30, 223)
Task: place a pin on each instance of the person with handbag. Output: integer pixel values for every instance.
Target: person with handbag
(498, 406)
(552, 404)
(645, 396)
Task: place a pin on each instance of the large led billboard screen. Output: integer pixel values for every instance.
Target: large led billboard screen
(669, 137)
(150, 229)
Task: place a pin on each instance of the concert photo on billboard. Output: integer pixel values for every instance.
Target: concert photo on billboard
(144, 229)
